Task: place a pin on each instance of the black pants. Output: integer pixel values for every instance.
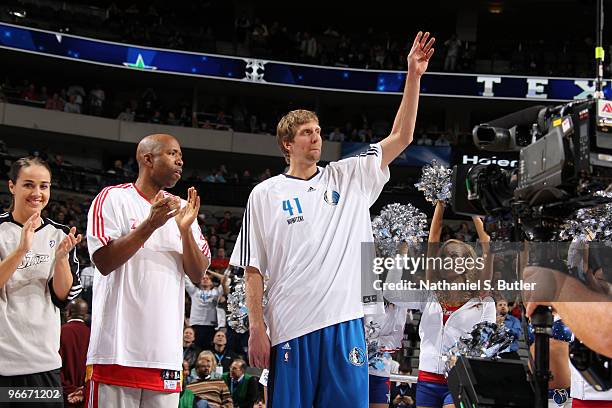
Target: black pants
(204, 336)
(44, 379)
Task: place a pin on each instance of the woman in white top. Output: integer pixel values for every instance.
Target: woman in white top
(39, 273)
(448, 315)
(204, 300)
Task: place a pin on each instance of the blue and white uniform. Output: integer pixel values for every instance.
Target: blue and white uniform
(306, 238)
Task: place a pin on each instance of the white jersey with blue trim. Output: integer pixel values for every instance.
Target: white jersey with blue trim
(305, 237)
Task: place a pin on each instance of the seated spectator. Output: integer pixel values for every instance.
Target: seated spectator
(78, 92)
(74, 341)
(219, 177)
(464, 233)
(117, 169)
(442, 141)
(190, 350)
(336, 135)
(43, 95)
(55, 102)
(209, 388)
(504, 318)
(243, 387)
(221, 122)
(127, 115)
(172, 120)
(223, 355)
(226, 225)
(96, 101)
(187, 398)
(156, 118)
(246, 177)
(423, 140)
(220, 262)
(72, 106)
(29, 94)
(403, 394)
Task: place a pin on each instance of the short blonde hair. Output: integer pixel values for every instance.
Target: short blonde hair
(285, 131)
(209, 356)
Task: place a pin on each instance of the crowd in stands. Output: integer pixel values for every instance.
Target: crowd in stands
(191, 26)
(147, 107)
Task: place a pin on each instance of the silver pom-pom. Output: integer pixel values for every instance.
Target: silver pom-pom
(237, 310)
(398, 223)
(237, 317)
(435, 182)
(590, 224)
(486, 340)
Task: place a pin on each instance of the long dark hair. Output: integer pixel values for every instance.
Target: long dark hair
(20, 164)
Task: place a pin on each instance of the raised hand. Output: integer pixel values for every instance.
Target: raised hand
(187, 215)
(27, 232)
(67, 244)
(162, 210)
(420, 53)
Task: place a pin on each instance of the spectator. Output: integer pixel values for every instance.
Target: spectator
(220, 261)
(156, 118)
(223, 355)
(117, 169)
(29, 94)
(190, 350)
(188, 398)
(246, 177)
(442, 141)
(74, 340)
(226, 224)
(78, 92)
(402, 394)
(511, 323)
(127, 115)
(219, 177)
(336, 135)
(204, 300)
(209, 388)
(242, 386)
(43, 95)
(55, 102)
(172, 120)
(96, 101)
(72, 106)
(464, 233)
(452, 53)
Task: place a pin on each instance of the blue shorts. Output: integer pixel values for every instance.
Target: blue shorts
(430, 394)
(325, 368)
(380, 392)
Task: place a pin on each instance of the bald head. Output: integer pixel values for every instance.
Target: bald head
(152, 144)
(77, 309)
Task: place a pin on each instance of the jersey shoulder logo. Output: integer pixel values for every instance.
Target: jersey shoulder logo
(331, 197)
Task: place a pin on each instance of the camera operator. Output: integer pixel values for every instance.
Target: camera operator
(589, 320)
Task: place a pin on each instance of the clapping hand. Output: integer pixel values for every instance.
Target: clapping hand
(67, 244)
(187, 215)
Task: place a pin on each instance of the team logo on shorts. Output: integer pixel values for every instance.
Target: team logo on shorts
(357, 356)
(331, 197)
(286, 356)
